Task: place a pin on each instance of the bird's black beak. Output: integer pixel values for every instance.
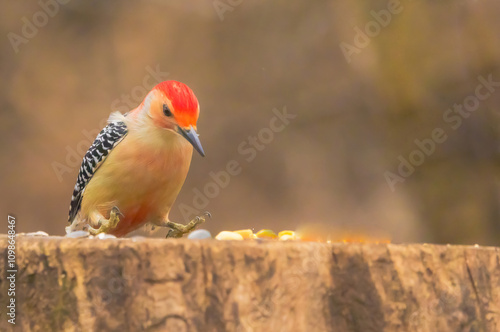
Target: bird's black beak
(192, 137)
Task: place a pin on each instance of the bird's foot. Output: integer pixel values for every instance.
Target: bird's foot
(178, 230)
(106, 225)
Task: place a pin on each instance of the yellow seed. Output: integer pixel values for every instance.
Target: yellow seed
(245, 233)
(287, 237)
(291, 233)
(232, 236)
(266, 234)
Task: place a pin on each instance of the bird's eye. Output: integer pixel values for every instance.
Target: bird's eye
(166, 110)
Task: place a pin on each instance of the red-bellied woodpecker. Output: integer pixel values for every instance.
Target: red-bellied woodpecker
(137, 165)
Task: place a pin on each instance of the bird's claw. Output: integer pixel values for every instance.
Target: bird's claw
(178, 230)
(107, 224)
(117, 211)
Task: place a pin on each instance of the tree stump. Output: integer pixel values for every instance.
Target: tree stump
(184, 285)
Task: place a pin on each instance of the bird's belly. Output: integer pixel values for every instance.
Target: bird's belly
(133, 217)
(142, 183)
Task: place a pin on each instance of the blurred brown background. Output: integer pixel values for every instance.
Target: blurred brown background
(242, 59)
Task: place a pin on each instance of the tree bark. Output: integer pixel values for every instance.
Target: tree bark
(183, 285)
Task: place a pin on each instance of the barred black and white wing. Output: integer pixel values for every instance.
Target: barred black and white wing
(107, 139)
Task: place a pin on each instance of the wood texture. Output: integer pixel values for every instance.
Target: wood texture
(182, 285)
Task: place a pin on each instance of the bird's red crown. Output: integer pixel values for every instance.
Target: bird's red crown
(184, 102)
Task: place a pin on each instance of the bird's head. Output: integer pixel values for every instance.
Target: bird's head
(173, 106)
